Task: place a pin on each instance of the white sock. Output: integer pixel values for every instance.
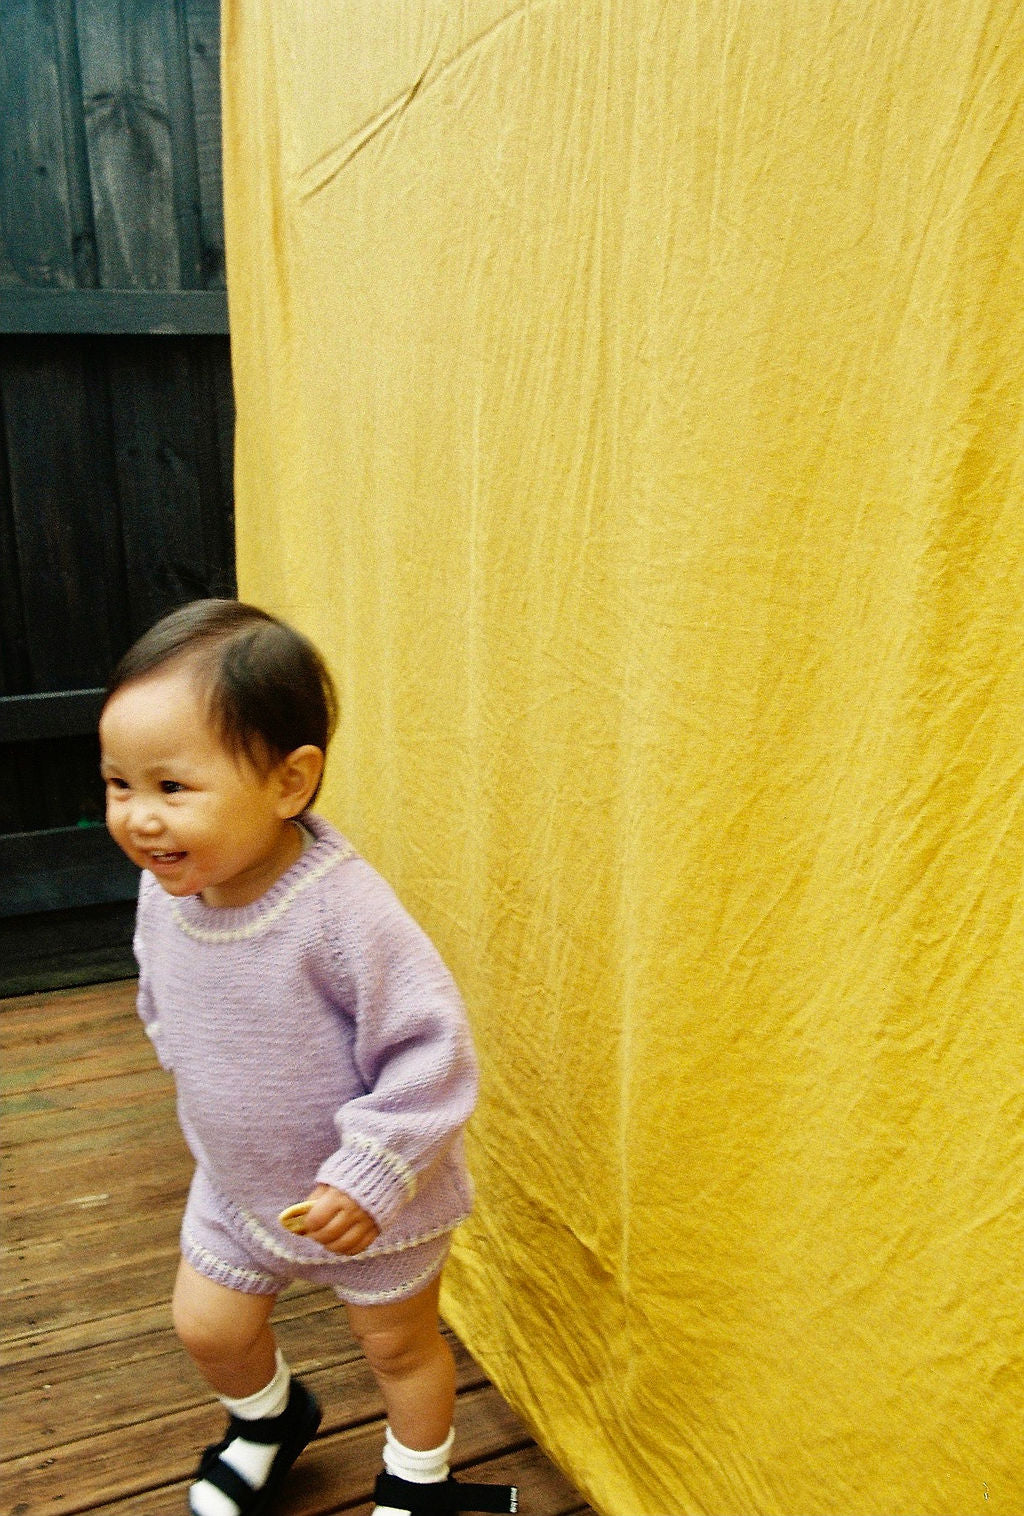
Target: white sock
(429, 1467)
(250, 1459)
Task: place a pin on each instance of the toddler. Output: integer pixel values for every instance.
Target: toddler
(318, 1044)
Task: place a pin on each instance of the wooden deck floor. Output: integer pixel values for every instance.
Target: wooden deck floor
(99, 1411)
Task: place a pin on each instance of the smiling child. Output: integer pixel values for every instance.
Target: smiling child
(318, 1043)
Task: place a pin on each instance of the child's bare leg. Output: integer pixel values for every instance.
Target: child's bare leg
(412, 1364)
(414, 1367)
(225, 1333)
(272, 1416)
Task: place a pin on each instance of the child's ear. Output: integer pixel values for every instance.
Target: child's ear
(298, 775)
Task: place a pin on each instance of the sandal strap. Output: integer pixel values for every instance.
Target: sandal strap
(444, 1498)
(226, 1479)
(268, 1429)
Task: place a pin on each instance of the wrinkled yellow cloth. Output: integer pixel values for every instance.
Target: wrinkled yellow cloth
(629, 402)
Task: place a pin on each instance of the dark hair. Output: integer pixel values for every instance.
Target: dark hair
(268, 689)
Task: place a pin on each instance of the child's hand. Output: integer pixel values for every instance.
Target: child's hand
(337, 1223)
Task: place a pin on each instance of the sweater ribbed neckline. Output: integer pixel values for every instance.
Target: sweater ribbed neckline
(226, 923)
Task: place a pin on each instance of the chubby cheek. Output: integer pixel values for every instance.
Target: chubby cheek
(116, 826)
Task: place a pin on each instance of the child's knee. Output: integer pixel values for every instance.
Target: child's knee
(202, 1335)
(211, 1325)
(394, 1352)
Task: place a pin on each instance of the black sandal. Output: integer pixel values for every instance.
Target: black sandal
(443, 1499)
(293, 1429)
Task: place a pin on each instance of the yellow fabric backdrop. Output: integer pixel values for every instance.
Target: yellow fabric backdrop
(629, 402)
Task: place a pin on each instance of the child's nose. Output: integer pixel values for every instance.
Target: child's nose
(145, 819)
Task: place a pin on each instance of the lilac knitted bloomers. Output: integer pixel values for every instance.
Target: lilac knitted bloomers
(315, 1037)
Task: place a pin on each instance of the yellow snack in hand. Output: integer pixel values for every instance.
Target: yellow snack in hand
(292, 1218)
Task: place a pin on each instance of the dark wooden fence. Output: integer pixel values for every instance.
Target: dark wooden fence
(116, 426)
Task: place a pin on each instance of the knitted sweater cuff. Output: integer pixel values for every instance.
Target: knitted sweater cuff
(375, 1177)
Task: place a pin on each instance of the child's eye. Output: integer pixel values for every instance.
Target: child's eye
(116, 784)
(171, 786)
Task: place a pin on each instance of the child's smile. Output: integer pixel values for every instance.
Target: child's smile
(201, 819)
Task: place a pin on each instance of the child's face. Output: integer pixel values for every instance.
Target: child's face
(180, 804)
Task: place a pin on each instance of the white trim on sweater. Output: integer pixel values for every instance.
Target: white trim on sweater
(266, 919)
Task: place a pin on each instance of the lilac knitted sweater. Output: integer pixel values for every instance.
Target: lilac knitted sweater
(314, 1036)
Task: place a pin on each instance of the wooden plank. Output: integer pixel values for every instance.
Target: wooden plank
(137, 136)
(72, 577)
(107, 1333)
(45, 207)
(541, 1491)
(46, 1117)
(36, 1305)
(220, 390)
(203, 28)
(38, 1312)
(74, 1211)
(175, 544)
(128, 133)
(105, 1103)
(83, 1046)
(110, 1043)
(14, 664)
(300, 1319)
(56, 713)
(96, 1205)
(32, 1182)
(113, 312)
(109, 175)
(70, 1012)
(103, 1222)
(20, 790)
(99, 1050)
(69, 567)
(111, 1331)
(130, 1188)
(65, 866)
(90, 1149)
(81, 1020)
(214, 430)
(85, 1154)
(80, 1228)
(181, 122)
